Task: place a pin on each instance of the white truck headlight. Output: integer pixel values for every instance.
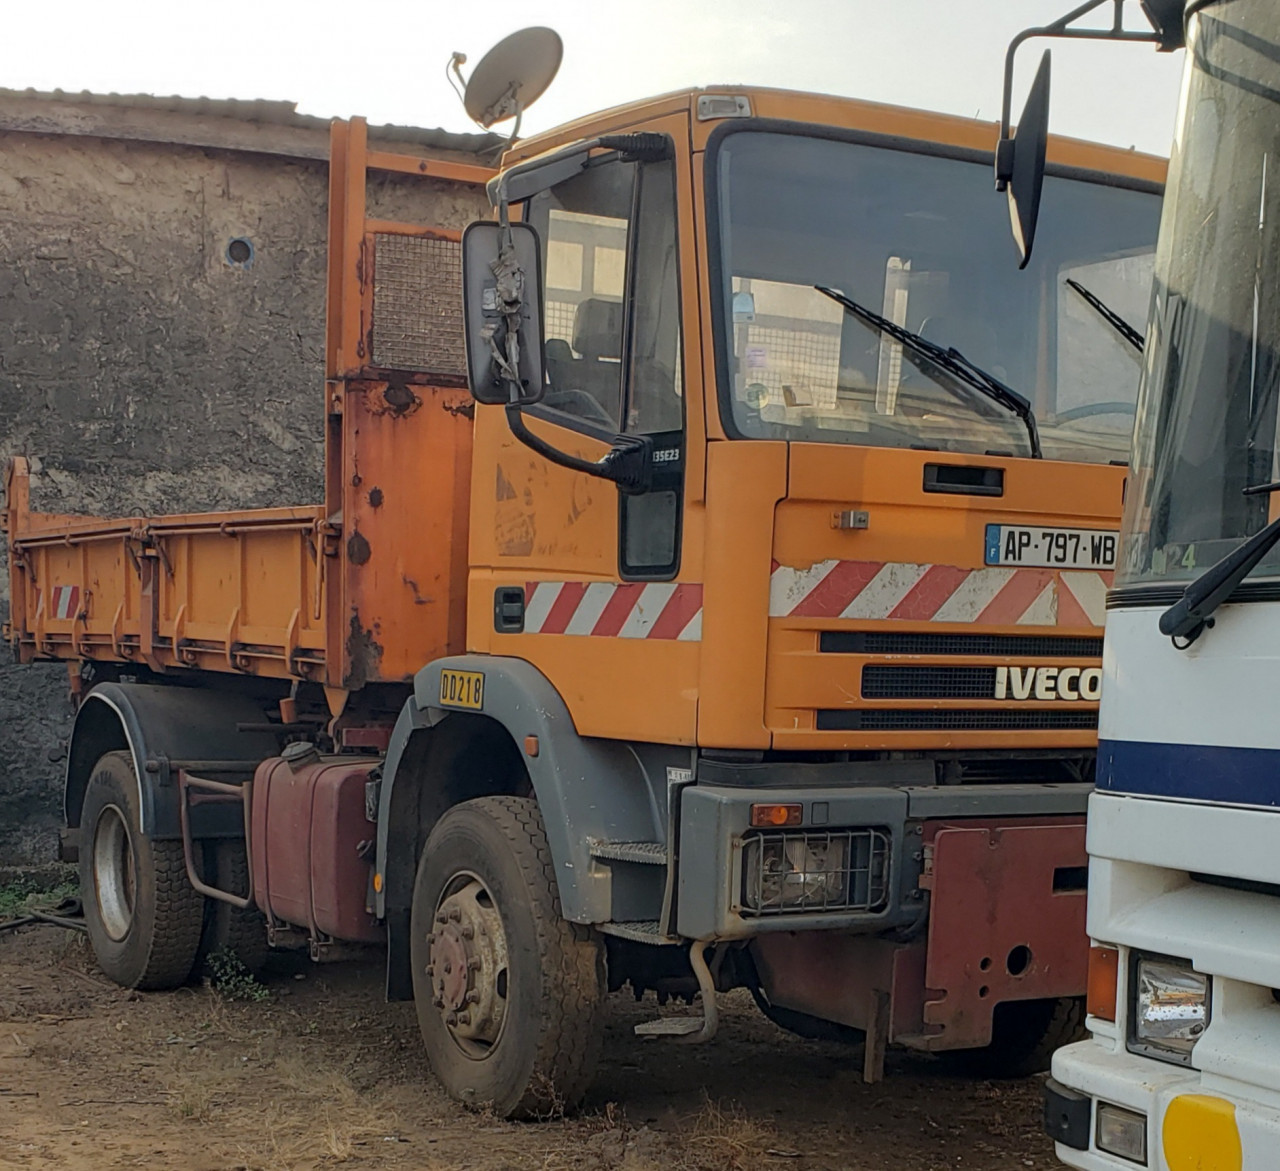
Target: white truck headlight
(1169, 1008)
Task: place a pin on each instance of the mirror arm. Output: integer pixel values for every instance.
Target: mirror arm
(628, 462)
(1061, 30)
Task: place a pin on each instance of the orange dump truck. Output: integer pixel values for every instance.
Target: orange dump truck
(803, 701)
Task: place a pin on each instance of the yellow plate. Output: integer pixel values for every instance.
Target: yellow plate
(462, 689)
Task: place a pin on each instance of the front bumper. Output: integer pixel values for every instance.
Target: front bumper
(1192, 1125)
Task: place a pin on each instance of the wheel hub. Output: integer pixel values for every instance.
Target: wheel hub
(467, 964)
(114, 879)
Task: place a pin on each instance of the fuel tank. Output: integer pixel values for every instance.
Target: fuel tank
(310, 843)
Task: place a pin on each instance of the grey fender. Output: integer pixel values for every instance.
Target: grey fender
(587, 789)
(160, 726)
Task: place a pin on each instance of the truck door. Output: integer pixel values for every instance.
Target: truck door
(600, 570)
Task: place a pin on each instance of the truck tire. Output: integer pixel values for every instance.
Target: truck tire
(1026, 1034)
(508, 993)
(241, 931)
(144, 917)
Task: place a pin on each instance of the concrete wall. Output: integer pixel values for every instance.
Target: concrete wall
(140, 372)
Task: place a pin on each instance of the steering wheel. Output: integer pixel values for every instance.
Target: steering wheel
(1090, 409)
(578, 402)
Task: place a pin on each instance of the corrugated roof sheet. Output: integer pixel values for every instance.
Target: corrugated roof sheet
(259, 110)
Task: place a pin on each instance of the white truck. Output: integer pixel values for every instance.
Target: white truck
(1182, 1071)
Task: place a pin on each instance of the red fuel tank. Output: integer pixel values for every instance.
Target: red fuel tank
(310, 836)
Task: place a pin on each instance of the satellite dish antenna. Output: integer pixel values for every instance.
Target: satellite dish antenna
(511, 76)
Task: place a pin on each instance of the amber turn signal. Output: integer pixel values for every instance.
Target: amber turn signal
(1104, 975)
(762, 815)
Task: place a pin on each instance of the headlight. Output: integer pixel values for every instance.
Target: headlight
(1169, 1009)
(796, 872)
(844, 870)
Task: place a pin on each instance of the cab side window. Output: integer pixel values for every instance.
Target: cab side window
(585, 226)
(655, 389)
(612, 318)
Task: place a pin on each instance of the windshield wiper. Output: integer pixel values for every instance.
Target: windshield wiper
(1188, 617)
(951, 360)
(1109, 315)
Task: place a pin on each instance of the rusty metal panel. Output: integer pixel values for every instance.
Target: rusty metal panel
(1006, 922)
(406, 495)
(417, 304)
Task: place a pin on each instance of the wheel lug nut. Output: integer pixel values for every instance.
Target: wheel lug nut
(455, 914)
(473, 964)
(441, 917)
(468, 932)
(473, 997)
(451, 1019)
(438, 1002)
(431, 969)
(464, 1018)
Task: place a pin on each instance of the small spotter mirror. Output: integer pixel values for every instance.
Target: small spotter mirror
(1026, 167)
(501, 289)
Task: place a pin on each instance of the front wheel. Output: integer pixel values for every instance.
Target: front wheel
(143, 915)
(1024, 1037)
(508, 992)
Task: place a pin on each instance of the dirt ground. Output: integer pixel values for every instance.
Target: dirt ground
(324, 1072)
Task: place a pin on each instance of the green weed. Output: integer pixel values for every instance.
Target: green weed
(22, 895)
(232, 980)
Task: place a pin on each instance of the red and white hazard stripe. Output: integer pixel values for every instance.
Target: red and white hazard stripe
(876, 590)
(663, 610)
(64, 601)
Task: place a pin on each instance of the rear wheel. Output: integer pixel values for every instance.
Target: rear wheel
(143, 915)
(242, 931)
(508, 993)
(1025, 1035)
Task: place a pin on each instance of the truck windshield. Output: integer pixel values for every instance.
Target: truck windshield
(920, 239)
(1208, 425)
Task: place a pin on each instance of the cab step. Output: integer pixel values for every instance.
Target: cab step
(646, 853)
(643, 931)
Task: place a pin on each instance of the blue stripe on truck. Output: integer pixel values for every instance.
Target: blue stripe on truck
(1195, 772)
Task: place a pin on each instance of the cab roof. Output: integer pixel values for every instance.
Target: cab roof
(853, 114)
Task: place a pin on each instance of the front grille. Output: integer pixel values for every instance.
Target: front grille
(809, 873)
(890, 642)
(992, 720)
(881, 682)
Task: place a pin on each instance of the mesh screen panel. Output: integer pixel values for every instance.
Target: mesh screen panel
(417, 305)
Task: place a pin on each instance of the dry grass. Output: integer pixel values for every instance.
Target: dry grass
(726, 1138)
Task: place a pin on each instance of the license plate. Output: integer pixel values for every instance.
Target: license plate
(1043, 548)
(462, 688)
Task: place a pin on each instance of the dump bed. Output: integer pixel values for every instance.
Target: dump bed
(229, 591)
(363, 588)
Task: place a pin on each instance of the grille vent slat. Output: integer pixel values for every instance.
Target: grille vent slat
(990, 720)
(925, 682)
(892, 642)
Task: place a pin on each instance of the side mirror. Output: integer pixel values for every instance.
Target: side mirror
(502, 288)
(1021, 161)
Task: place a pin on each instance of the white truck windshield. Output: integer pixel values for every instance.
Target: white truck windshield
(1209, 419)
